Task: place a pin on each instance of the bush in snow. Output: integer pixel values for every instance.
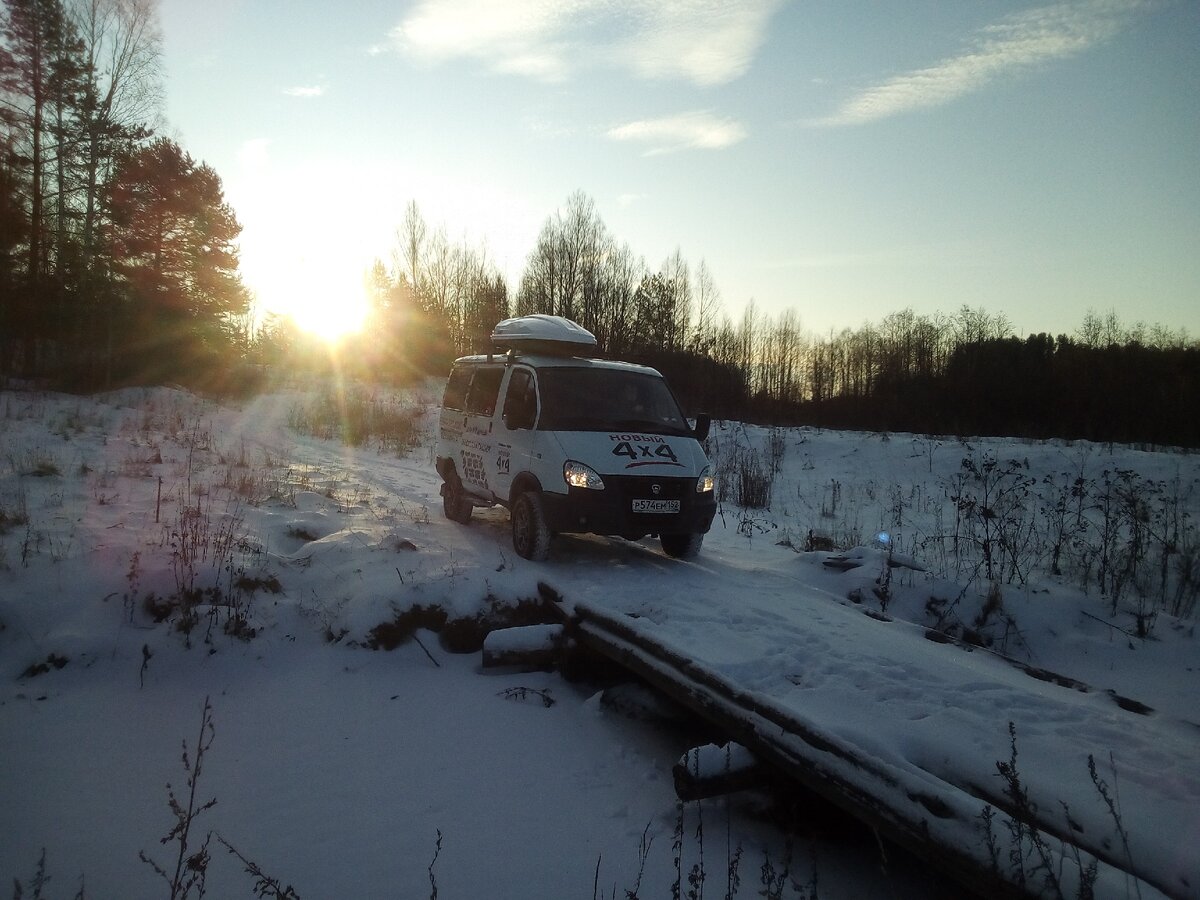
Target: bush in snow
(358, 416)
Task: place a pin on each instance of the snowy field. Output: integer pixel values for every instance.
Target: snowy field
(346, 771)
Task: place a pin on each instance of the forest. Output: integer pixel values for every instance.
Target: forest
(119, 265)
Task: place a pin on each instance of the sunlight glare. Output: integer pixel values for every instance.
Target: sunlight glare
(327, 302)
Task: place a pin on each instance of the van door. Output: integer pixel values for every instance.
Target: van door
(477, 458)
(515, 431)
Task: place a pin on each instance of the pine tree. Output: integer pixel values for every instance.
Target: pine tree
(173, 242)
(40, 71)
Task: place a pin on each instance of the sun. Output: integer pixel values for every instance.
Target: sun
(324, 300)
(331, 316)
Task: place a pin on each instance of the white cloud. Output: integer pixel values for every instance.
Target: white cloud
(1016, 43)
(519, 36)
(703, 41)
(686, 131)
(305, 91)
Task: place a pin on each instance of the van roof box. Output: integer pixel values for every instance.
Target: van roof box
(540, 333)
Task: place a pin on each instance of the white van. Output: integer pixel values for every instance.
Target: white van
(569, 443)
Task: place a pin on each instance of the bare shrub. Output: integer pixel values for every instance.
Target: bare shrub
(776, 449)
(993, 528)
(191, 864)
(1186, 568)
(37, 884)
(190, 869)
(14, 510)
(754, 482)
(1144, 547)
(745, 475)
(1030, 861)
(209, 553)
(359, 417)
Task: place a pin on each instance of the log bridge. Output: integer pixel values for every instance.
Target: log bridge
(939, 822)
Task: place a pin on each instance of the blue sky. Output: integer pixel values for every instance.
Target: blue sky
(844, 158)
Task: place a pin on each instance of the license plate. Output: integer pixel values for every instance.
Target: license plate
(656, 506)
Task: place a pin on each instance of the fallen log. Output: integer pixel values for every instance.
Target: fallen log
(945, 824)
(527, 647)
(712, 771)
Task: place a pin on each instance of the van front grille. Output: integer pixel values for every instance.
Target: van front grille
(642, 487)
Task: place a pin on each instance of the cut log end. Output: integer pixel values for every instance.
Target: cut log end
(528, 647)
(712, 771)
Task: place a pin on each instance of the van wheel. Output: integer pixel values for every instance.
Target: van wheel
(530, 534)
(681, 546)
(455, 503)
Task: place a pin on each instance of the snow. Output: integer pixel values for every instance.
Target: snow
(335, 767)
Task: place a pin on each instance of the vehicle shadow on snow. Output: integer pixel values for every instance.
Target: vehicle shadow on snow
(586, 549)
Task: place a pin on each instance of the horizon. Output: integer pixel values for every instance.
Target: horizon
(1037, 162)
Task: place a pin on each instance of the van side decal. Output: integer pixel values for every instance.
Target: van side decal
(647, 454)
(640, 438)
(473, 468)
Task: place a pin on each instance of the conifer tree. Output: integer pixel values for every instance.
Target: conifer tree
(173, 244)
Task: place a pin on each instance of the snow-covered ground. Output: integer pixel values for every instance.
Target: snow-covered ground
(350, 772)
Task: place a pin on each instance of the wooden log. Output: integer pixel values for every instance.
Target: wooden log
(711, 771)
(938, 822)
(527, 647)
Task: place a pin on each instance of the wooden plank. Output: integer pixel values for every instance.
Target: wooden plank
(912, 808)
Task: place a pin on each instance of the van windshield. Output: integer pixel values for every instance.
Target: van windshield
(608, 400)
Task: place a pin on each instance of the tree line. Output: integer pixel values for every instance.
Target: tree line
(964, 372)
(118, 263)
(118, 256)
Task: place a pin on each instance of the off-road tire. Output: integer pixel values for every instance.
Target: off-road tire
(530, 533)
(682, 546)
(455, 503)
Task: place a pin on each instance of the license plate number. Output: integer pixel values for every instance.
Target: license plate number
(656, 506)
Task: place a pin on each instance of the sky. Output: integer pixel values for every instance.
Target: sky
(844, 159)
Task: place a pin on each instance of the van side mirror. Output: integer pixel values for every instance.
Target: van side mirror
(703, 423)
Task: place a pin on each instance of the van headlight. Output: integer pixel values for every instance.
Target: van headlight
(581, 476)
(705, 483)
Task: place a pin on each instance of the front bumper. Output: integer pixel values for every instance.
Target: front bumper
(610, 511)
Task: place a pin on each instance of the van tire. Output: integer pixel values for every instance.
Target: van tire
(455, 503)
(682, 546)
(530, 533)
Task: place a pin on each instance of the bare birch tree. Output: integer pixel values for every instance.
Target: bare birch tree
(122, 92)
(708, 305)
(410, 246)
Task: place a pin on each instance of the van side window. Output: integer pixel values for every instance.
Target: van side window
(485, 387)
(455, 396)
(520, 403)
